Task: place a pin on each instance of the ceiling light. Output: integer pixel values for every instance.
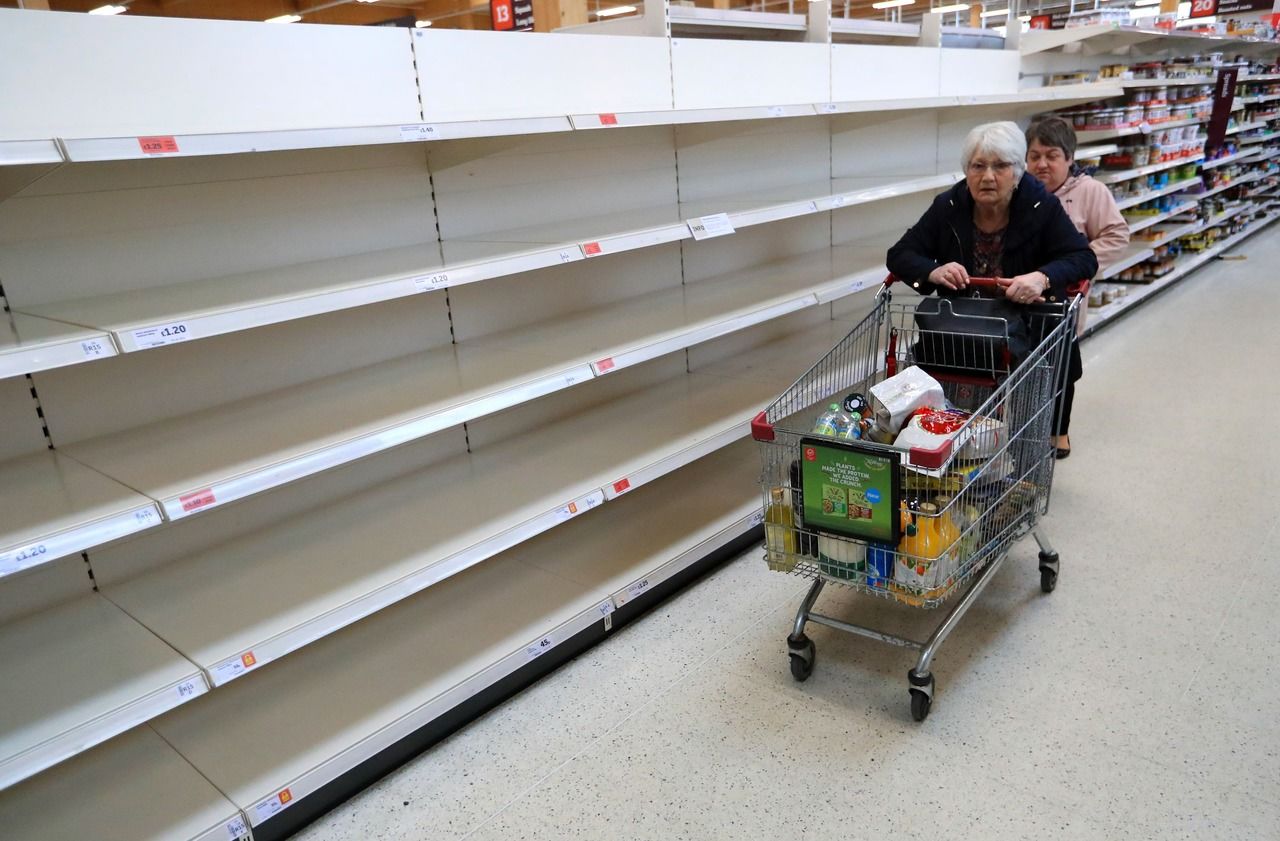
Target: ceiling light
(285, 19)
(614, 10)
(366, 1)
(996, 13)
(108, 10)
(892, 4)
(422, 24)
(954, 7)
(1146, 2)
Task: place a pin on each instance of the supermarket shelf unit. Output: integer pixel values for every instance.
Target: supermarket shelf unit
(1080, 53)
(399, 364)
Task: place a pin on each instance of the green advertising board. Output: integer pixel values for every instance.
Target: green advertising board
(850, 490)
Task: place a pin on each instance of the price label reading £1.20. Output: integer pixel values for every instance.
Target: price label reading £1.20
(165, 334)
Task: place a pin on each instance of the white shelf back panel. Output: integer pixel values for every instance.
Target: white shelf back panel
(133, 788)
(498, 184)
(133, 390)
(737, 74)
(133, 75)
(20, 431)
(753, 247)
(348, 693)
(43, 587)
(725, 159)
(488, 75)
(508, 303)
(888, 146)
(978, 72)
(94, 229)
(172, 542)
(811, 322)
(861, 72)
(879, 224)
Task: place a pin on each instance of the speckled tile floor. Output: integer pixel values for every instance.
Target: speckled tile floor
(1137, 701)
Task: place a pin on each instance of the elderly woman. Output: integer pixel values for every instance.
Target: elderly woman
(999, 222)
(1051, 154)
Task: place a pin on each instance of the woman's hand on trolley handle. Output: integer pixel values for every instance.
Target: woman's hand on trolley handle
(1025, 288)
(950, 275)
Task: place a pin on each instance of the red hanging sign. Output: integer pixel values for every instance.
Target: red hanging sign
(503, 14)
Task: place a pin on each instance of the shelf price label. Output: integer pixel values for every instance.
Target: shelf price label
(578, 506)
(621, 486)
(826, 108)
(237, 828)
(592, 249)
(606, 607)
(233, 668)
(755, 519)
(777, 111)
(146, 517)
(604, 366)
(274, 804)
(93, 348)
(428, 282)
(161, 145)
(569, 257)
(637, 588)
(708, 227)
(187, 690)
(539, 648)
(164, 334)
(418, 132)
(608, 119)
(198, 500)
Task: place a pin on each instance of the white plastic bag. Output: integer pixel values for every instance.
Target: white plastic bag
(897, 397)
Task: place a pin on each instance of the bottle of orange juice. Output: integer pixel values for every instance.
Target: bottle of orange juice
(926, 562)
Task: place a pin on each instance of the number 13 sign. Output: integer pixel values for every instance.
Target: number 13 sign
(503, 14)
(1204, 8)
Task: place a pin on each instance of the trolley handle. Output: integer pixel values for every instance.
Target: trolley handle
(975, 282)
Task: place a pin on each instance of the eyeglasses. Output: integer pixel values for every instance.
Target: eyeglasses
(999, 168)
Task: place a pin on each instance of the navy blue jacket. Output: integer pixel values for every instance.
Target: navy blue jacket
(1040, 237)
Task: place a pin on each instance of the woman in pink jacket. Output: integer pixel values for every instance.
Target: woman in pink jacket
(1051, 152)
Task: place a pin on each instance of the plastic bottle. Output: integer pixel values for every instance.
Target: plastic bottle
(839, 558)
(926, 564)
(836, 423)
(779, 531)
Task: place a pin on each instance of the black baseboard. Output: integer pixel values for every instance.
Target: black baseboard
(333, 794)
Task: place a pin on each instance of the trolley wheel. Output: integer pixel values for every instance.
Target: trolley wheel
(803, 655)
(921, 694)
(1048, 571)
(920, 704)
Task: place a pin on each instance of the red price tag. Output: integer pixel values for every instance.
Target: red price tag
(621, 486)
(197, 500)
(591, 249)
(608, 119)
(158, 145)
(605, 365)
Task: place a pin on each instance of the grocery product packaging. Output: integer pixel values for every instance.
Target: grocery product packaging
(974, 437)
(896, 398)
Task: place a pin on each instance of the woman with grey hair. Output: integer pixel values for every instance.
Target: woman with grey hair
(998, 222)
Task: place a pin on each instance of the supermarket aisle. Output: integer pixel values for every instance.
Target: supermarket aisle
(1135, 702)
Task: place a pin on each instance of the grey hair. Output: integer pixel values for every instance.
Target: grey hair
(1003, 141)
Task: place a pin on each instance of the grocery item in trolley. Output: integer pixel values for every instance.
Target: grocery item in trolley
(972, 438)
(896, 398)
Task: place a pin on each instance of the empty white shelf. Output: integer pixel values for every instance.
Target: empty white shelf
(195, 462)
(245, 604)
(29, 344)
(291, 728)
(20, 152)
(864, 27)
(133, 788)
(163, 315)
(52, 506)
(695, 18)
(75, 676)
(626, 119)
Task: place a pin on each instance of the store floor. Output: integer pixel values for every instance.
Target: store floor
(1137, 701)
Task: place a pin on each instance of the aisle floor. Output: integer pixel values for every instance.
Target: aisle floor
(1137, 701)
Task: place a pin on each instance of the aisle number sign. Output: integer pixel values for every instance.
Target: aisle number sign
(850, 490)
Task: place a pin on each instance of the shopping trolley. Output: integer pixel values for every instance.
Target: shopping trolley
(917, 525)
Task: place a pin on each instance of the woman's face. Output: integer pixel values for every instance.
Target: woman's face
(991, 180)
(1048, 164)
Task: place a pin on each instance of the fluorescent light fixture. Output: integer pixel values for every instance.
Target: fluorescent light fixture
(614, 10)
(954, 7)
(108, 10)
(422, 24)
(996, 13)
(1146, 2)
(892, 4)
(366, 1)
(285, 19)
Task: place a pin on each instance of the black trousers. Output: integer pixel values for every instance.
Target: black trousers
(1075, 369)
